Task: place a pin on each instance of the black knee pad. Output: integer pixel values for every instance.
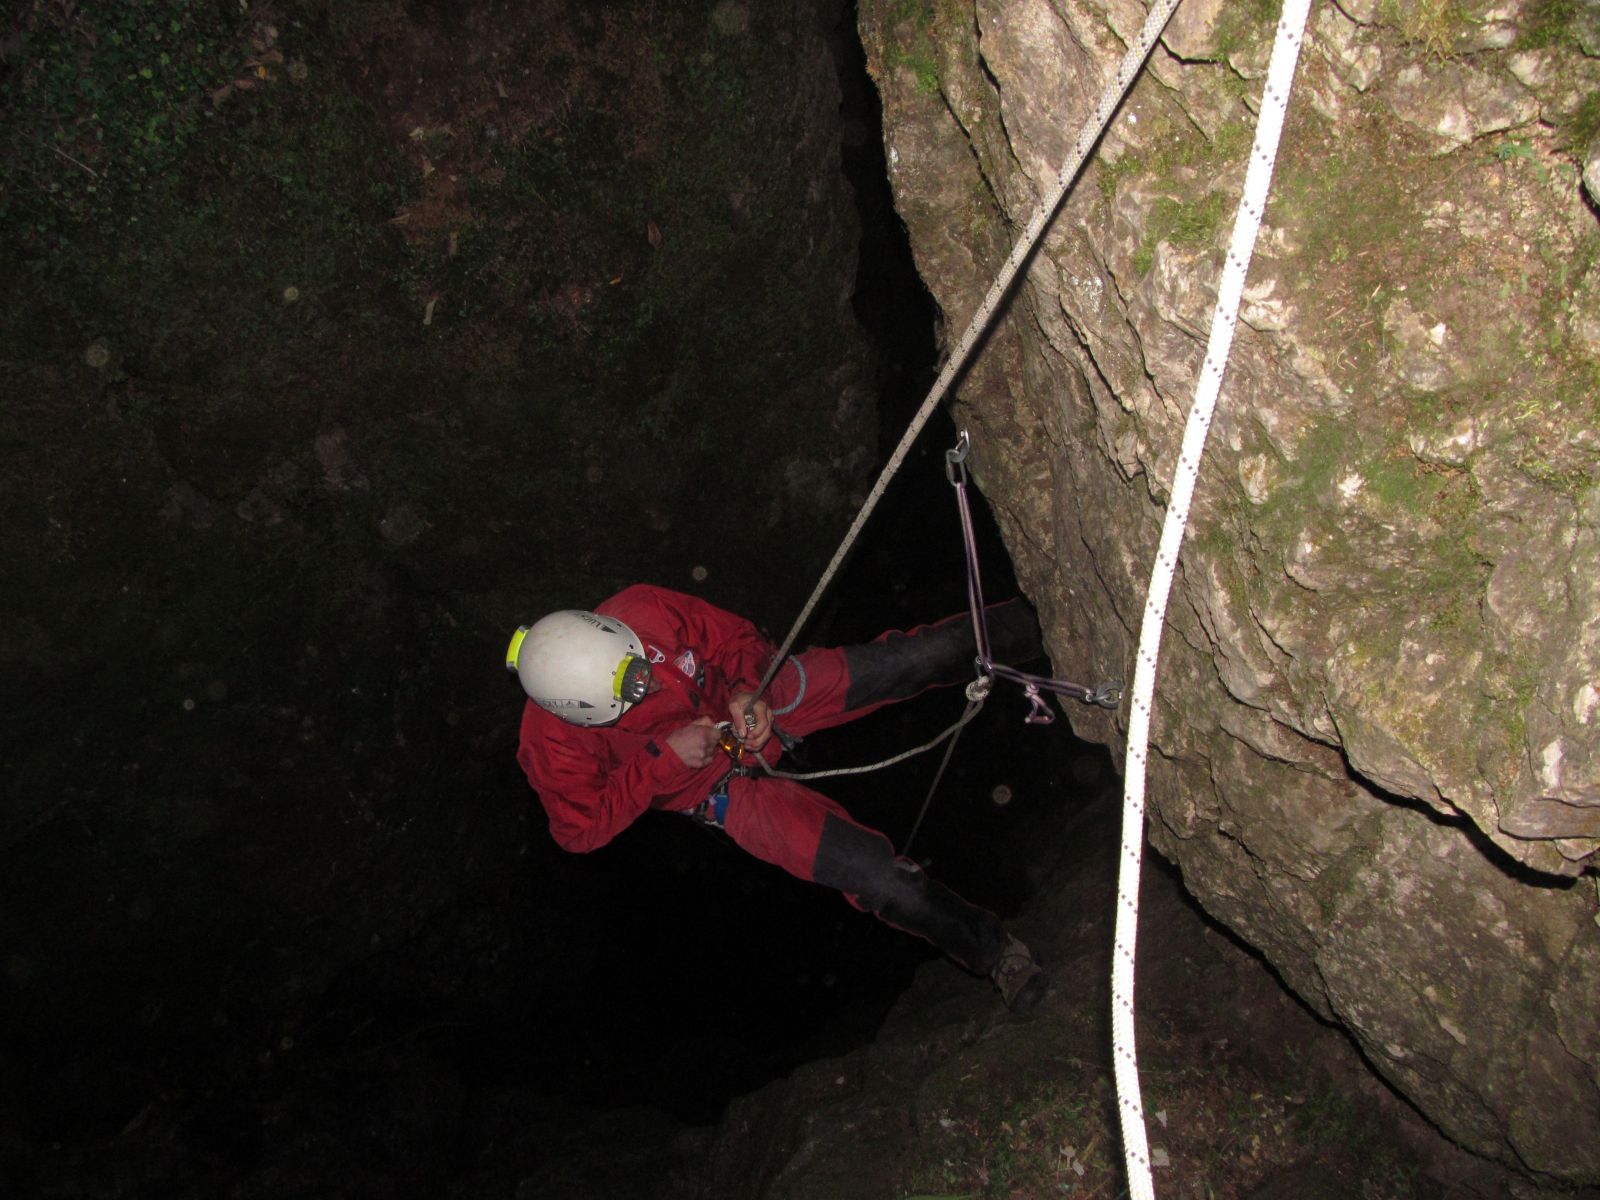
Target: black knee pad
(862, 863)
(857, 861)
(903, 664)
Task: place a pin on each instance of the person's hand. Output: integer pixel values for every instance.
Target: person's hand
(754, 735)
(697, 743)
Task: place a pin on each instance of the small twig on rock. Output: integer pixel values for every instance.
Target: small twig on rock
(75, 162)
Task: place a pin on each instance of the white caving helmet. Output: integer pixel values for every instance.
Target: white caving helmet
(585, 667)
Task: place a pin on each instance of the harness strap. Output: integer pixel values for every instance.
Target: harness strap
(713, 810)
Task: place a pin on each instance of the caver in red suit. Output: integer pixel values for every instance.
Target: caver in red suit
(625, 704)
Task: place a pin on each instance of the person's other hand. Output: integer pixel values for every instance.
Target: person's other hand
(754, 735)
(697, 743)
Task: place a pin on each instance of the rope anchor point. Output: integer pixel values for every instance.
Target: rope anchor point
(955, 460)
(1107, 694)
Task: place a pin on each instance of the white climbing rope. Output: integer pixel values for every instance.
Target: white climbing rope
(1154, 23)
(1274, 103)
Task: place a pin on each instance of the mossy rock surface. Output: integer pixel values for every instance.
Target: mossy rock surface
(1381, 648)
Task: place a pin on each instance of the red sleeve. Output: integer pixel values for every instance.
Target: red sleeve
(588, 797)
(730, 643)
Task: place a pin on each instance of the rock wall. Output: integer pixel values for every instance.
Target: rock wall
(318, 375)
(1375, 737)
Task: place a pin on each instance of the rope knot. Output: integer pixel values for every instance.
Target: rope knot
(978, 689)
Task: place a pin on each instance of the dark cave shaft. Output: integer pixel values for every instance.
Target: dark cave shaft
(424, 320)
(263, 834)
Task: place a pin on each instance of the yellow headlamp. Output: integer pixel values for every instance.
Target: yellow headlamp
(516, 647)
(632, 681)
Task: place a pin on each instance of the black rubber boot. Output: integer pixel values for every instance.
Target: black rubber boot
(1018, 978)
(861, 863)
(904, 664)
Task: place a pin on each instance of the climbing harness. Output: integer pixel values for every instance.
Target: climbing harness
(1230, 292)
(1106, 695)
(713, 810)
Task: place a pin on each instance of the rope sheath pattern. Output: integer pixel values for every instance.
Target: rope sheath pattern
(1247, 224)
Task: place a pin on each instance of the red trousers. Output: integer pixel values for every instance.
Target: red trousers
(786, 823)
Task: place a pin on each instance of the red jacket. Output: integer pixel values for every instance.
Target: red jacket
(594, 781)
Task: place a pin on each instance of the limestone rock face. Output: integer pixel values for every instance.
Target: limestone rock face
(1377, 711)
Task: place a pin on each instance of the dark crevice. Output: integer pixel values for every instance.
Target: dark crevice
(1463, 824)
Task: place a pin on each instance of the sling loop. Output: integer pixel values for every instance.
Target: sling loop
(1155, 21)
(1107, 695)
(800, 670)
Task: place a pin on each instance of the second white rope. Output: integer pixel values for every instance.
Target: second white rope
(1252, 206)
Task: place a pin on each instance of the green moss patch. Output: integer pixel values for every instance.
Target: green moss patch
(915, 44)
(1241, 26)
(101, 102)
(199, 198)
(1549, 23)
(1179, 224)
(1429, 25)
(1169, 161)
